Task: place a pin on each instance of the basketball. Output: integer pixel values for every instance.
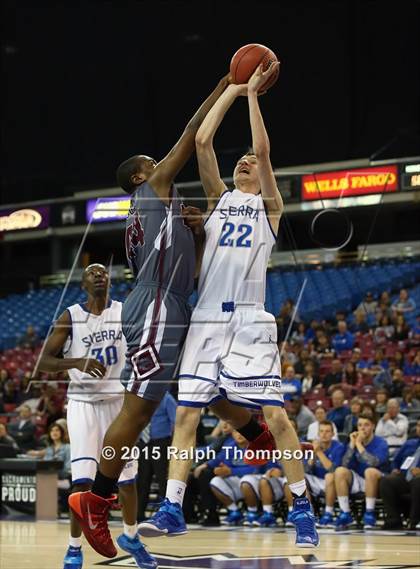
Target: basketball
(246, 60)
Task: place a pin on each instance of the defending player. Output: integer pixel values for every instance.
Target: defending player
(93, 346)
(155, 316)
(231, 348)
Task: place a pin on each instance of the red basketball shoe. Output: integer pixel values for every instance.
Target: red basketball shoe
(265, 442)
(91, 512)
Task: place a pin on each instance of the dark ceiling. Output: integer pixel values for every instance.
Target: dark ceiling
(86, 84)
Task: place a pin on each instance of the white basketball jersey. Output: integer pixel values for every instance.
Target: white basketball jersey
(239, 240)
(98, 337)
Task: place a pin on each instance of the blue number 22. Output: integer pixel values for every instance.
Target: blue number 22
(241, 241)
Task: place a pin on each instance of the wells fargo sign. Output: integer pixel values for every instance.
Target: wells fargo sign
(324, 185)
(31, 218)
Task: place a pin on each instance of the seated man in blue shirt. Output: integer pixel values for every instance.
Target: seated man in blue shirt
(320, 470)
(343, 340)
(339, 411)
(229, 468)
(363, 465)
(404, 480)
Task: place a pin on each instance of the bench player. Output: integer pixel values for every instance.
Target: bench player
(155, 317)
(93, 346)
(231, 347)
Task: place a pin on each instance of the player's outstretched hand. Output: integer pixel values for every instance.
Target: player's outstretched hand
(193, 217)
(259, 77)
(92, 367)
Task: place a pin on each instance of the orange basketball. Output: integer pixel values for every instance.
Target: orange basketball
(247, 59)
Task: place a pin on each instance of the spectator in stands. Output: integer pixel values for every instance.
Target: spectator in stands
(397, 384)
(301, 414)
(334, 377)
(27, 387)
(11, 393)
(158, 434)
(398, 360)
(339, 411)
(343, 340)
(385, 299)
(291, 385)
(377, 364)
(5, 438)
(356, 359)
(368, 410)
(414, 333)
(313, 429)
(309, 379)
(385, 331)
(404, 304)
(408, 402)
(226, 484)
(401, 329)
(49, 406)
(289, 356)
(23, 430)
(299, 334)
(310, 333)
(59, 449)
(324, 350)
(4, 376)
(320, 471)
(29, 339)
(350, 422)
(360, 324)
(368, 305)
(363, 465)
(284, 318)
(403, 483)
(381, 397)
(351, 377)
(393, 427)
(413, 368)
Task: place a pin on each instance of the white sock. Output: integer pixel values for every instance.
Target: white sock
(252, 509)
(329, 509)
(232, 507)
(130, 531)
(290, 508)
(268, 509)
(75, 541)
(298, 488)
(344, 503)
(175, 491)
(370, 503)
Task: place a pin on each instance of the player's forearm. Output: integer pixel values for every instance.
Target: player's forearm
(215, 116)
(326, 463)
(202, 112)
(199, 241)
(53, 364)
(260, 140)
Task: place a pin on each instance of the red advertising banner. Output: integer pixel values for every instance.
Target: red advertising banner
(344, 183)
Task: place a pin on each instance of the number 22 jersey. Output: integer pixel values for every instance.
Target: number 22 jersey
(239, 240)
(98, 337)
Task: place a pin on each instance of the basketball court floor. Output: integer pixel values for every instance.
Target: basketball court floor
(41, 545)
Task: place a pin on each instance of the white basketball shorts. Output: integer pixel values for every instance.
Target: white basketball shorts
(87, 424)
(231, 354)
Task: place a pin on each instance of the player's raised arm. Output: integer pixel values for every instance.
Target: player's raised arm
(167, 169)
(206, 157)
(55, 344)
(261, 147)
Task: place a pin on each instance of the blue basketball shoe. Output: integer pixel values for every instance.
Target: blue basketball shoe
(137, 550)
(369, 519)
(344, 520)
(168, 520)
(267, 520)
(304, 522)
(73, 558)
(326, 521)
(234, 518)
(250, 518)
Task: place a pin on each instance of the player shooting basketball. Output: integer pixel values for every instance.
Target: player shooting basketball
(231, 349)
(155, 319)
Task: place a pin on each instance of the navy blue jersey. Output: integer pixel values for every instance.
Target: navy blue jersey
(159, 246)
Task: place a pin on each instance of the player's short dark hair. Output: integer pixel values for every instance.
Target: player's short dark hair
(127, 169)
(328, 423)
(250, 151)
(368, 418)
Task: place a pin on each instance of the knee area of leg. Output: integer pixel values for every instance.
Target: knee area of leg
(187, 416)
(341, 471)
(371, 473)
